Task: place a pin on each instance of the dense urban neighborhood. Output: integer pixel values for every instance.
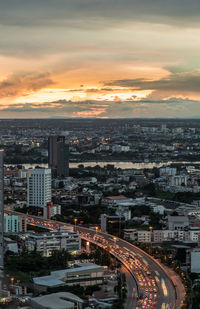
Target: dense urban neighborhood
(100, 214)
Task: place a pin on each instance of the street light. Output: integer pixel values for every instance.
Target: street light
(75, 221)
(12, 280)
(96, 228)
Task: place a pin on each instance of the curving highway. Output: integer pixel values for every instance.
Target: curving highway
(154, 285)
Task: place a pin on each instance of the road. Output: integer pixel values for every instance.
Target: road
(158, 284)
(131, 289)
(167, 292)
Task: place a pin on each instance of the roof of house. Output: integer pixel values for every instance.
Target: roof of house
(117, 198)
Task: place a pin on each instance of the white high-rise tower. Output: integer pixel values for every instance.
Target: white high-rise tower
(38, 187)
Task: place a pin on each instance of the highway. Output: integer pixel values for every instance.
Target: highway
(131, 289)
(157, 286)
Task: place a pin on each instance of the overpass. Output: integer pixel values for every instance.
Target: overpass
(155, 284)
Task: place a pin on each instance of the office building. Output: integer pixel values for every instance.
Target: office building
(112, 224)
(1, 210)
(38, 187)
(58, 156)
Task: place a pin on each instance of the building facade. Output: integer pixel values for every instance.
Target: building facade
(58, 156)
(38, 187)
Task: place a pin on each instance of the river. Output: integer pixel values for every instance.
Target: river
(120, 164)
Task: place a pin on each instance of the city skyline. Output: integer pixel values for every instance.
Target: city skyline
(106, 59)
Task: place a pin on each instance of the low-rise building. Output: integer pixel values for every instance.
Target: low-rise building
(138, 235)
(177, 222)
(86, 275)
(48, 242)
(61, 300)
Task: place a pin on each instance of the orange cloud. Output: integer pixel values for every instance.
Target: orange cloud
(93, 112)
(23, 84)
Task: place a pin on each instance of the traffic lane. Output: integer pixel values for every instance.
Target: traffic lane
(170, 298)
(109, 239)
(131, 289)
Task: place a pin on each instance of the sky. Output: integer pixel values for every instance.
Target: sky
(99, 58)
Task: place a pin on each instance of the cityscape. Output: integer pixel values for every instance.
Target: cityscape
(99, 154)
(100, 213)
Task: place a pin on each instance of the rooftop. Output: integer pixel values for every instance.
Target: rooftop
(56, 277)
(61, 300)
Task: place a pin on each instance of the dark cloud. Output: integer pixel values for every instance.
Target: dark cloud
(92, 108)
(182, 82)
(22, 83)
(45, 12)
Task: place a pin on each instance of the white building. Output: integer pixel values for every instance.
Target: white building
(38, 187)
(178, 180)
(138, 235)
(168, 171)
(144, 236)
(168, 235)
(46, 243)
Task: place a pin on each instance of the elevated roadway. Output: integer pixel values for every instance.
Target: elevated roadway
(156, 284)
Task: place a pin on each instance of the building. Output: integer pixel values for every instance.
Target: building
(58, 156)
(144, 236)
(11, 224)
(1, 210)
(168, 171)
(60, 300)
(51, 210)
(179, 180)
(138, 235)
(38, 187)
(177, 222)
(195, 258)
(15, 224)
(160, 236)
(112, 201)
(112, 224)
(89, 274)
(48, 242)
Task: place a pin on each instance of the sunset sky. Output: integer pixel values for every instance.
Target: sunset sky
(99, 58)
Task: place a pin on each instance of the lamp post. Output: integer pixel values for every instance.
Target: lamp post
(151, 229)
(115, 240)
(75, 221)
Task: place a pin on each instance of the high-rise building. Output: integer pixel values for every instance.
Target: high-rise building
(1, 210)
(38, 187)
(58, 156)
